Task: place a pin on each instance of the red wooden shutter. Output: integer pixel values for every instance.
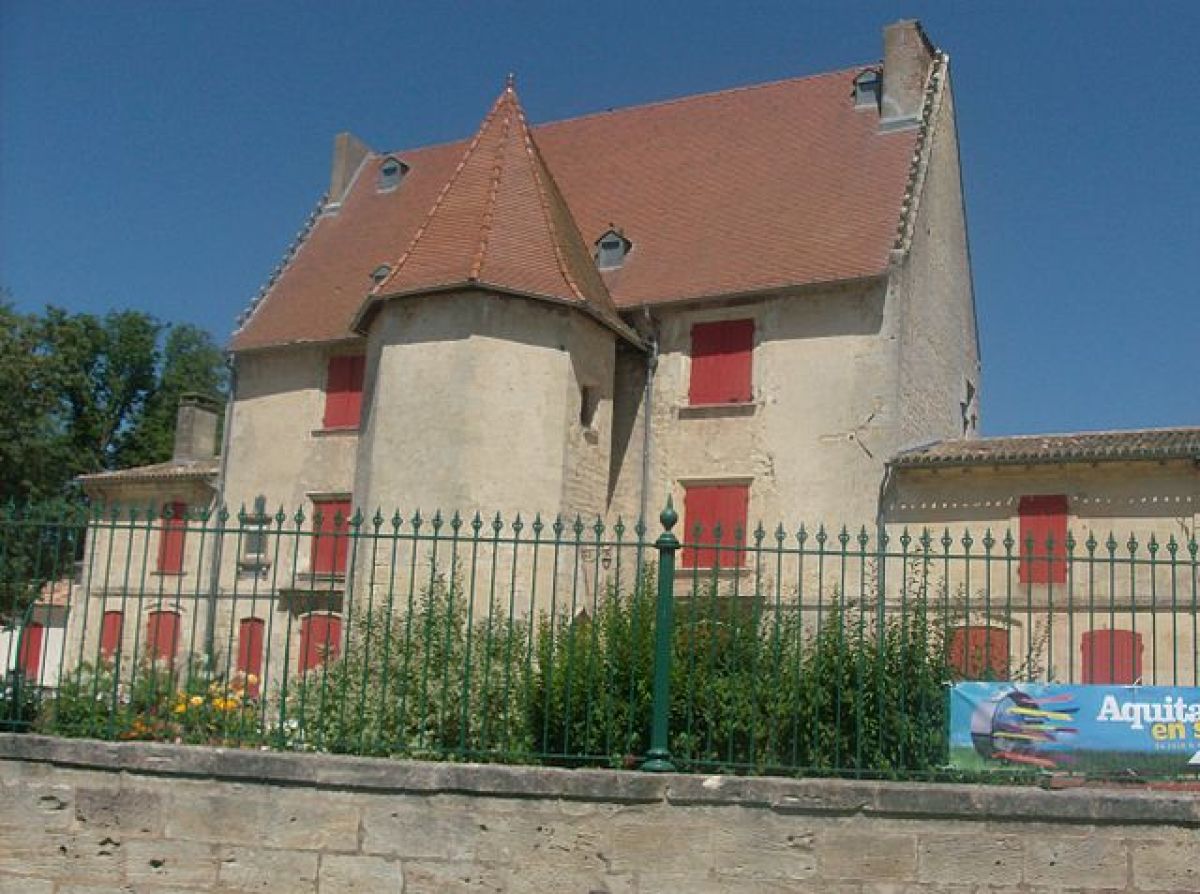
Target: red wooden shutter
(343, 391)
(1043, 518)
(721, 362)
(250, 653)
(111, 626)
(320, 640)
(1112, 656)
(979, 652)
(162, 635)
(30, 657)
(331, 540)
(170, 543)
(708, 506)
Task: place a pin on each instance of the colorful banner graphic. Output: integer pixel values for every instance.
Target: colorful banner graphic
(1088, 729)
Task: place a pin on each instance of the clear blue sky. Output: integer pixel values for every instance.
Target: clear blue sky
(162, 155)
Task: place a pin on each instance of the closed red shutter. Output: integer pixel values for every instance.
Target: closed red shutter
(1112, 656)
(111, 626)
(705, 507)
(250, 653)
(331, 540)
(30, 657)
(979, 652)
(1043, 518)
(343, 391)
(162, 635)
(320, 640)
(170, 543)
(721, 362)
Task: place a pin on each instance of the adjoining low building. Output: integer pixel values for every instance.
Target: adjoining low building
(1092, 535)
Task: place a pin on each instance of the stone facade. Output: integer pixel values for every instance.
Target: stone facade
(1129, 511)
(83, 816)
(461, 389)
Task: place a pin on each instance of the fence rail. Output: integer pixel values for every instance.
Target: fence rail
(562, 641)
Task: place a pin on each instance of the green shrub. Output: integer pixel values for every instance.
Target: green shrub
(756, 686)
(157, 702)
(436, 681)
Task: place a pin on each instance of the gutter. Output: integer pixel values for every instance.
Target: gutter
(648, 407)
(214, 583)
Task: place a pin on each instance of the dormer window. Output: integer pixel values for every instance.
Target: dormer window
(611, 249)
(866, 89)
(391, 172)
(379, 274)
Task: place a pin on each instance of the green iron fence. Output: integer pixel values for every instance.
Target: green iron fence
(559, 641)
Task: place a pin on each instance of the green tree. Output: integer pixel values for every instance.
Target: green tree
(102, 371)
(81, 394)
(85, 394)
(191, 363)
(27, 470)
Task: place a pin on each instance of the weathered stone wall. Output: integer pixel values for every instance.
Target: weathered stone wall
(278, 446)
(932, 290)
(812, 442)
(85, 816)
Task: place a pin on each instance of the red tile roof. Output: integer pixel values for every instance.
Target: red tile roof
(172, 470)
(500, 223)
(751, 189)
(1084, 446)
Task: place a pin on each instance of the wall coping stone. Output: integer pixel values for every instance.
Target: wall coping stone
(814, 796)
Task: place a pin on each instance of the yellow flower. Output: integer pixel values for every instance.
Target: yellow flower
(196, 700)
(179, 709)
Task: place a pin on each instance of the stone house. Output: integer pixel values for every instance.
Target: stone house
(752, 297)
(757, 302)
(745, 300)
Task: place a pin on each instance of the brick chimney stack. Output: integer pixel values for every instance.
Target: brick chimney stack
(196, 428)
(907, 56)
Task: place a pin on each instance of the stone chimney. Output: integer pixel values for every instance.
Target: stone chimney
(907, 55)
(348, 154)
(196, 428)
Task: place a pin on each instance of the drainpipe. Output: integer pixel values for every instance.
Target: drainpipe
(214, 582)
(885, 486)
(648, 407)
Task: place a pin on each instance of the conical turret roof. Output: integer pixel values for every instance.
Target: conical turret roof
(500, 223)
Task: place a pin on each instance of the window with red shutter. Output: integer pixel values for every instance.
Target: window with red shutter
(170, 543)
(30, 657)
(320, 640)
(343, 391)
(721, 362)
(111, 626)
(1043, 546)
(714, 518)
(979, 652)
(162, 635)
(331, 536)
(250, 653)
(1112, 656)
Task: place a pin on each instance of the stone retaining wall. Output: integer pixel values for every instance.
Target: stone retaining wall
(78, 816)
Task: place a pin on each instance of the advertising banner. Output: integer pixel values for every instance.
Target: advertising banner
(1085, 728)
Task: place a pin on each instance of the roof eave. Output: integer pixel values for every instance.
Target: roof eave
(370, 306)
(902, 462)
(771, 291)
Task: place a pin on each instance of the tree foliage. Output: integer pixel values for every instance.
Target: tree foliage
(85, 394)
(81, 394)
